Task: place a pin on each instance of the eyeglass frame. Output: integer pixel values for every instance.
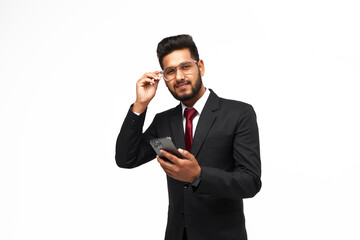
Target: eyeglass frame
(177, 68)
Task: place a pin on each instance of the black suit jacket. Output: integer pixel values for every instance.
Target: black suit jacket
(226, 145)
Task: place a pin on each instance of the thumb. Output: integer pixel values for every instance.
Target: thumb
(156, 83)
(186, 154)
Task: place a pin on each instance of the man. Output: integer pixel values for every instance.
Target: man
(222, 160)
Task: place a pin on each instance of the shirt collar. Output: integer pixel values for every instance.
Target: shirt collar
(200, 104)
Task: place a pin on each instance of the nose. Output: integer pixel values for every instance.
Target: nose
(179, 75)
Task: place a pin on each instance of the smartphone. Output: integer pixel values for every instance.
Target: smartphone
(164, 144)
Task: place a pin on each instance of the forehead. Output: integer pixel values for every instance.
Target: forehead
(177, 57)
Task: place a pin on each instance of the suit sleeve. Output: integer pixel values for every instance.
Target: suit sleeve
(132, 145)
(244, 181)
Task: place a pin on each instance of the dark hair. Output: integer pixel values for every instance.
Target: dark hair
(170, 44)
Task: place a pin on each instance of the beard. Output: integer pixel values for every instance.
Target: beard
(194, 90)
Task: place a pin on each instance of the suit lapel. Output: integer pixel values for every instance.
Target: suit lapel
(177, 128)
(206, 120)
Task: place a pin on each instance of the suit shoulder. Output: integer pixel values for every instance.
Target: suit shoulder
(167, 113)
(235, 104)
(241, 112)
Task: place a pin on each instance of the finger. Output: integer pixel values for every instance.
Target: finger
(156, 82)
(170, 156)
(186, 154)
(152, 75)
(166, 165)
(148, 81)
(158, 75)
(169, 171)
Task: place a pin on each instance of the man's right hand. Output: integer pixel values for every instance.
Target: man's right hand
(146, 88)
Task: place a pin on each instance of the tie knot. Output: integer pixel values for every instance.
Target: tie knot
(190, 113)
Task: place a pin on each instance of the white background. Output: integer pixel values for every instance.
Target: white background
(68, 71)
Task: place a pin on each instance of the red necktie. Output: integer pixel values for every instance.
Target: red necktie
(189, 115)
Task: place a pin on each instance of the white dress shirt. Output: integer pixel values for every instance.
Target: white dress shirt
(199, 106)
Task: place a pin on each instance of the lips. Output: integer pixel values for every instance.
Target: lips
(181, 85)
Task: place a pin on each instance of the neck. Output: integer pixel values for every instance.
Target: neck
(191, 102)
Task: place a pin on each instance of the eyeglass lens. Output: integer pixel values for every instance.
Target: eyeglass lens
(185, 68)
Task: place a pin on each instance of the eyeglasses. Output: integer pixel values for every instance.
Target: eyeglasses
(186, 68)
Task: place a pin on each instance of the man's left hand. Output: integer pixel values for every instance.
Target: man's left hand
(185, 170)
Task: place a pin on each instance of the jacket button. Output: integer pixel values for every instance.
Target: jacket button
(186, 186)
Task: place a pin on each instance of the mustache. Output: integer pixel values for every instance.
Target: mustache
(181, 83)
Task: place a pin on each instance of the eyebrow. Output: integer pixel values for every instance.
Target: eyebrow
(178, 65)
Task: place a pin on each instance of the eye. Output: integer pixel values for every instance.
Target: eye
(186, 66)
(170, 71)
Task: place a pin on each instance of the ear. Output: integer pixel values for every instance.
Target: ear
(201, 67)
